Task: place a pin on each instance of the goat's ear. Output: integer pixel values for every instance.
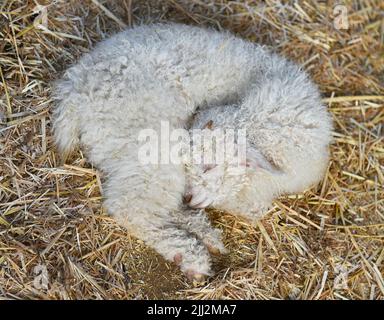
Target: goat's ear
(257, 161)
(208, 125)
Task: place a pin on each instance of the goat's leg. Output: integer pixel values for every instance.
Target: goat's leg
(148, 202)
(198, 223)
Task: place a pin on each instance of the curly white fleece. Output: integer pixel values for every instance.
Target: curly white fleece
(147, 74)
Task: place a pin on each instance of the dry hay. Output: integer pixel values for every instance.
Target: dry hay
(326, 243)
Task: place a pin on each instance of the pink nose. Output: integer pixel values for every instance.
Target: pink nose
(197, 201)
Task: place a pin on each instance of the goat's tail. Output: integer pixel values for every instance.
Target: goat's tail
(65, 117)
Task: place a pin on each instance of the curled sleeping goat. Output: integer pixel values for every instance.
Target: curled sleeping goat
(182, 74)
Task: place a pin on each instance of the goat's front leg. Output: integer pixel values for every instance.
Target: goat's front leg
(175, 244)
(148, 203)
(197, 222)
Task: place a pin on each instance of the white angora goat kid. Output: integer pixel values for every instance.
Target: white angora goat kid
(148, 74)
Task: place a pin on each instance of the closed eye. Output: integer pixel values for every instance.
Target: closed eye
(208, 167)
